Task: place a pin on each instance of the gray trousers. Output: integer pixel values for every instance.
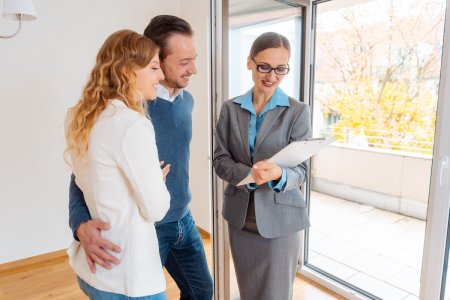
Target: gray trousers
(265, 268)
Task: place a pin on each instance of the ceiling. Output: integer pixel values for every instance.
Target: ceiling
(246, 7)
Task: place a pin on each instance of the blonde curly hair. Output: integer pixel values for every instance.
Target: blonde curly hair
(112, 77)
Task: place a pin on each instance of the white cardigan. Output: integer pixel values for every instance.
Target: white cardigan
(122, 183)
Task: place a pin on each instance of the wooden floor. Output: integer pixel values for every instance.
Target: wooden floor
(49, 276)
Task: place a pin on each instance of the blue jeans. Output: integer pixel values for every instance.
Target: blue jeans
(183, 256)
(95, 294)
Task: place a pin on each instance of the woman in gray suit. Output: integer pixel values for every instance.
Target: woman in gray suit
(264, 218)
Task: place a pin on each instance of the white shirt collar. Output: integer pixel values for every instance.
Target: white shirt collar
(163, 93)
(117, 102)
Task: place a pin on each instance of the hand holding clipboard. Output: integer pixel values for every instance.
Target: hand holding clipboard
(294, 154)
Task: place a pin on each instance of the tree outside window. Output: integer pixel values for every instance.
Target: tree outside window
(377, 73)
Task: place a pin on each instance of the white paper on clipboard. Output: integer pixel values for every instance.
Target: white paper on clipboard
(294, 154)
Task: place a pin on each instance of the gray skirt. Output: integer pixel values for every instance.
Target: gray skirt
(265, 268)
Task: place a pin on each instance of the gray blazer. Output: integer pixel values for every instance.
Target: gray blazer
(277, 214)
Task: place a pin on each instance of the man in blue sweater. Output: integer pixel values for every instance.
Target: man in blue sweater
(180, 245)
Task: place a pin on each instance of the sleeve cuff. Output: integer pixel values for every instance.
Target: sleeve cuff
(279, 185)
(251, 186)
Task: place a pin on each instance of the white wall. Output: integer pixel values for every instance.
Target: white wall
(42, 72)
(197, 13)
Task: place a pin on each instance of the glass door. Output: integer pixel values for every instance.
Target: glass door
(435, 271)
(239, 23)
(376, 74)
(378, 197)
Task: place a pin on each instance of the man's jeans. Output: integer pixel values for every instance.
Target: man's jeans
(183, 256)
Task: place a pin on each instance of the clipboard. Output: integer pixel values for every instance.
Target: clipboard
(294, 154)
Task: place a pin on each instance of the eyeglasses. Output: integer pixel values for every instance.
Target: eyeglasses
(268, 69)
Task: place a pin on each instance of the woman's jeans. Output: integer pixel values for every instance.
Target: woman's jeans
(95, 294)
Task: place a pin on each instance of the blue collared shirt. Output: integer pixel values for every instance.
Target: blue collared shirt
(279, 98)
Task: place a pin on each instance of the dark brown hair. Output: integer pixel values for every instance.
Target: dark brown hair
(162, 27)
(269, 40)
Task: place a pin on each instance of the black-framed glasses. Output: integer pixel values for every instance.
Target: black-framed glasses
(282, 70)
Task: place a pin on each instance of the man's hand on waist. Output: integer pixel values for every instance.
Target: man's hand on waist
(95, 246)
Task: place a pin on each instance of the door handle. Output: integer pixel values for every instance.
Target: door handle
(442, 168)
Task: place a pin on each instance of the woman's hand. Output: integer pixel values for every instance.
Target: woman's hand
(264, 171)
(165, 170)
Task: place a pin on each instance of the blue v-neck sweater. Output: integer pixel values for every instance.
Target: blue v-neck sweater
(173, 129)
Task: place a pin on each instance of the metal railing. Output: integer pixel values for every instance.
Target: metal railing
(381, 139)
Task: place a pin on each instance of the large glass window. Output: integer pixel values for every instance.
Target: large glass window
(375, 90)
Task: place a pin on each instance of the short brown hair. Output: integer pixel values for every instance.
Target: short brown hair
(162, 27)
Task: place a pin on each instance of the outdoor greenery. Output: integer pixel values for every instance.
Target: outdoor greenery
(377, 74)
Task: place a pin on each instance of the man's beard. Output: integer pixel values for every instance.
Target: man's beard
(176, 84)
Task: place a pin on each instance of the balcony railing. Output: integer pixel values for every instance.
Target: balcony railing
(405, 142)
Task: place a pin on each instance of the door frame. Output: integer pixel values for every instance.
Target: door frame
(439, 199)
(219, 94)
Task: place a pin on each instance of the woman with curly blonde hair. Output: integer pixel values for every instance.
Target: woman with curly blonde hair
(111, 148)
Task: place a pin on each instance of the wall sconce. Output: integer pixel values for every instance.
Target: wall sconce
(20, 10)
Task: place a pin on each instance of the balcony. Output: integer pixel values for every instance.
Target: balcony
(368, 211)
